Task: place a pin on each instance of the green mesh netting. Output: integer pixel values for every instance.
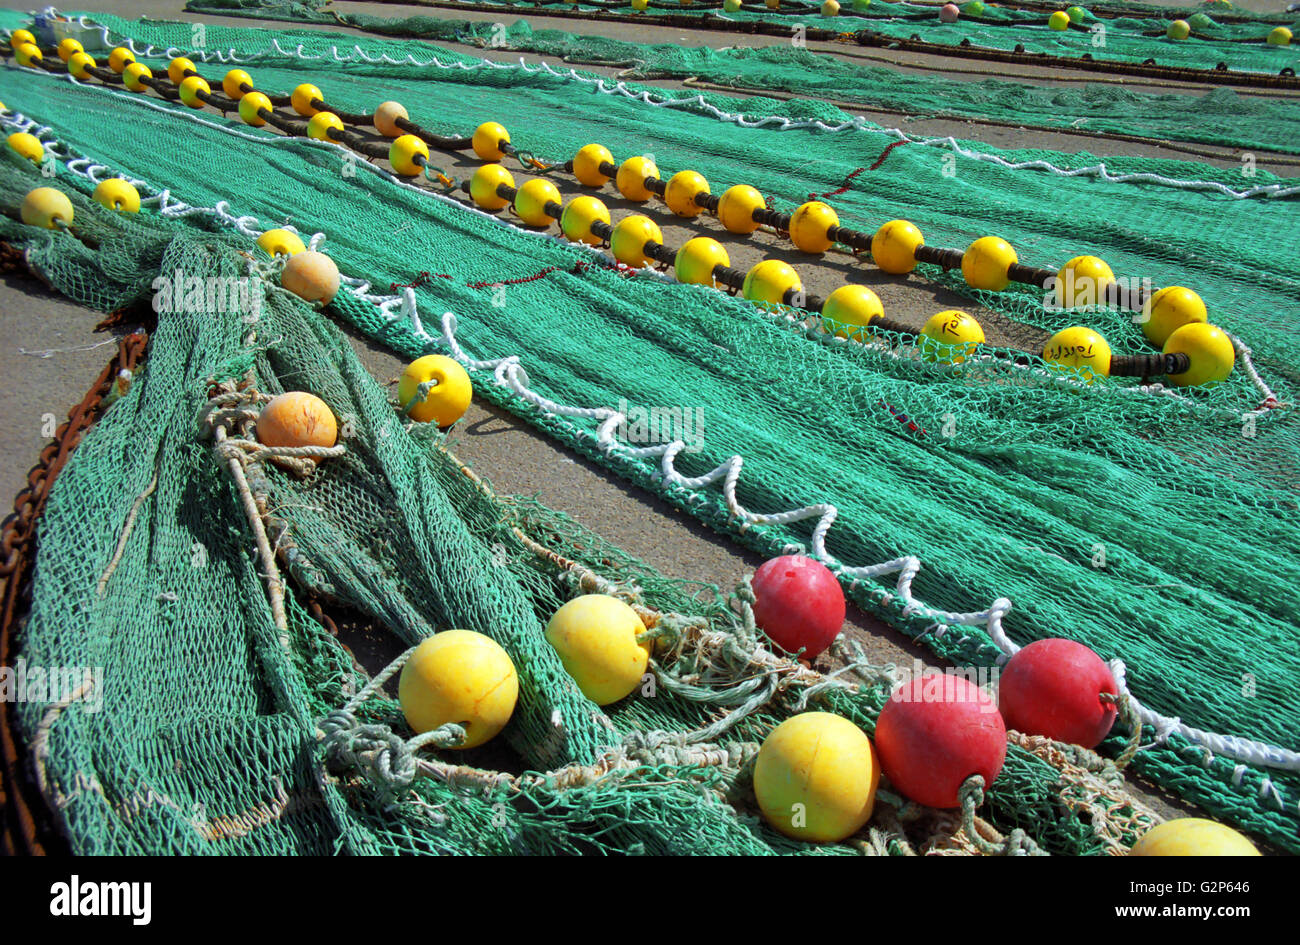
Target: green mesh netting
(1221, 116)
(1239, 45)
(204, 735)
(1197, 513)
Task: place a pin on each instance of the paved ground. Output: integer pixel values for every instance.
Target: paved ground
(49, 354)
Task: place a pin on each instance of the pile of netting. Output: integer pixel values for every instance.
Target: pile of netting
(1191, 497)
(1220, 116)
(1236, 42)
(229, 719)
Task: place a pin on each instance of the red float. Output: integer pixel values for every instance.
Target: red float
(1053, 688)
(934, 733)
(798, 603)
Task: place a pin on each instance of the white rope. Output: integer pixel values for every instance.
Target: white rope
(700, 104)
(1230, 746)
(508, 372)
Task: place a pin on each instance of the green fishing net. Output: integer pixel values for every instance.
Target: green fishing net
(1235, 43)
(1194, 506)
(1220, 116)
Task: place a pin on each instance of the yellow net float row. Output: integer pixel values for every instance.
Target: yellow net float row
(1193, 355)
(408, 155)
(897, 246)
(1207, 353)
(988, 263)
(49, 207)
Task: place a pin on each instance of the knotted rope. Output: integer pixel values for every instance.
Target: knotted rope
(1016, 843)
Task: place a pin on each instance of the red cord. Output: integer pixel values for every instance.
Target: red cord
(879, 161)
(420, 280)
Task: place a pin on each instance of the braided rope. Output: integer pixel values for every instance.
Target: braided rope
(1016, 843)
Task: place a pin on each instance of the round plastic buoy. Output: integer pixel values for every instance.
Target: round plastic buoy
(531, 200)
(26, 146)
(894, 246)
(1076, 14)
(934, 733)
(1082, 282)
(1179, 30)
(631, 178)
(1199, 21)
(1053, 688)
(851, 305)
(312, 276)
(640, 5)
(19, 37)
(251, 106)
(79, 65)
(487, 140)
(1058, 21)
(28, 54)
(769, 281)
(974, 8)
(408, 155)
(1192, 836)
(682, 189)
(628, 240)
(385, 118)
(985, 263)
(192, 91)
(1211, 352)
(447, 401)
(810, 225)
(830, 8)
(586, 165)
(179, 68)
(236, 84)
(799, 604)
(950, 337)
(302, 97)
(484, 186)
(297, 419)
(120, 58)
(321, 124)
(1279, 36)
(69, 48)
(46, 207)
(862, 5)
(1169, 309)
(736, 208)
(281, 242)
(948, 13)
(697, 258)
(580, 215)
(815, 778)
(116, 194)
(133, 77)
(460, 677)
(596, 638)
(1079, 348)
